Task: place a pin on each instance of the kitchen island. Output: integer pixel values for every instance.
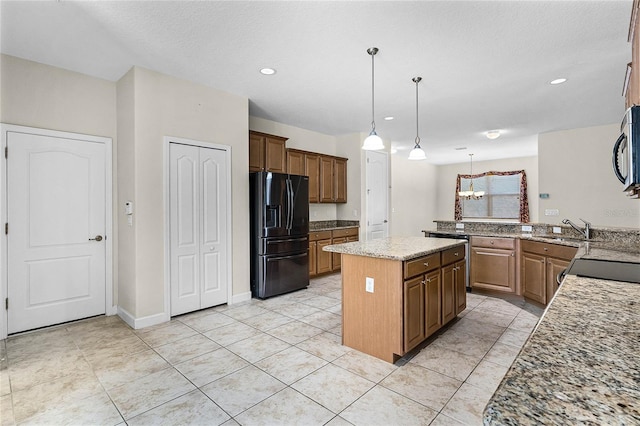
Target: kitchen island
(398, 291)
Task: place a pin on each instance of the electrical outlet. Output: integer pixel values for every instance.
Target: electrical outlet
(557, 230)
(369, 285)
(552, 212)
(459, 225)
(527, 228)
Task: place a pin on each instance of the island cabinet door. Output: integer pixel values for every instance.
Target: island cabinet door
(433, 308)
(460, 271)
(414, 324)
(448, 293)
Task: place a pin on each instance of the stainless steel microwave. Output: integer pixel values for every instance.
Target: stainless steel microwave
(626, 151)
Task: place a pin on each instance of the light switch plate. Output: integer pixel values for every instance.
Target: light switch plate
(527, 228)
(552, 212)
(459, 225)
(369, 285)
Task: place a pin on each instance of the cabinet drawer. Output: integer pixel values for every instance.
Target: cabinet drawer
(319, 235)
(453, 255)
(499, 243)
(347, 232)
(548, 249)
(421, 265)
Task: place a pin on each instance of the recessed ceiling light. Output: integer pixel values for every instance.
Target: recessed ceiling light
(558, 81)
(267, 71)
(493, 134)
(462, 148)
(389, 118)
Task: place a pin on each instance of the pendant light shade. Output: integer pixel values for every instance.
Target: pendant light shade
(373, 141)
(417, 153)
(471, 194)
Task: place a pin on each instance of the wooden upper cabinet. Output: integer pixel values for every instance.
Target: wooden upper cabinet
(256, 153)
(267, 153)
(340, 180)
(295, 162)
(312, 169)
(326, 179)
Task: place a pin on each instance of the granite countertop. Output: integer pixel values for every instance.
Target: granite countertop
(395, 248)
(581, 363)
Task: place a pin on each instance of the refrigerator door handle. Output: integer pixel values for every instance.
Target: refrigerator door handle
(293, 206)
(289, 204)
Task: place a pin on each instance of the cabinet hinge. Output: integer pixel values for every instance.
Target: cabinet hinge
(6, 228)
(6, 303)
(6, 152)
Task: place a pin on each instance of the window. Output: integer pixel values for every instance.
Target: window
(505, 196)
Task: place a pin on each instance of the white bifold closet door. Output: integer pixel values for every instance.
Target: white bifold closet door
(198, 186)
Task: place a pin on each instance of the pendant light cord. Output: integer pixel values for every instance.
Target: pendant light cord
(417, 145)
(373, 98)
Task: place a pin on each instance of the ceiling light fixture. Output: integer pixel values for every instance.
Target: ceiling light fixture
(471, 194)
(558, 81)
(493, 134)
(417, 153)
(267, 71)
(389, 118)
(373, 141)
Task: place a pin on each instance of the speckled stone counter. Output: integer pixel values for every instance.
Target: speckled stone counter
(395, 248)
(581, 364)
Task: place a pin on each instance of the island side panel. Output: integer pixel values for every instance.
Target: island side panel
(372, 322)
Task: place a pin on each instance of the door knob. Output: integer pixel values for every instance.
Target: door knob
(97, 238)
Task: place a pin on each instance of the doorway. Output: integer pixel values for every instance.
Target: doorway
(57, 244)
(199, 211)
(377, 194)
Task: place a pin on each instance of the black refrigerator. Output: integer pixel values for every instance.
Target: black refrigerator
(279, 206)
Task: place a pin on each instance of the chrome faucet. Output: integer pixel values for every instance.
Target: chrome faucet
(587, 227)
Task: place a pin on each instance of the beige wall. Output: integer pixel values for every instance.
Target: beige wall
(167, 106)
(349, 146)
(447, 175)
(413, 195)
(576, 172)
(125, 165)
(38, 95)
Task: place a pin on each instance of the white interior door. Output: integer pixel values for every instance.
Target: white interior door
(56, 210)
(377, 193)
(198, 188)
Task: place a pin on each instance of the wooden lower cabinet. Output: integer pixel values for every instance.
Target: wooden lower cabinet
(540, 264)
(321, 262)
(448, 293)
(433, 306)
(493, 264)
(313, 256)
(414, 309)
(323, 258)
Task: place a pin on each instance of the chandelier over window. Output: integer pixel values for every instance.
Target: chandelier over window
(471, 194)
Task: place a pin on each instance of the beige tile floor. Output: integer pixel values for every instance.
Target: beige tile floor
(277, 361)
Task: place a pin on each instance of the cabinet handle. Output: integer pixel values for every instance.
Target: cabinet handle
(422, 282)
(491, 242)
(542, 260)
(546, 249)
(426, 263)
(512, 254)
(455, 254)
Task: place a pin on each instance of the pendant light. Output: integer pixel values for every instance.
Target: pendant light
(373, 141)
(417, 153)
(471, 194)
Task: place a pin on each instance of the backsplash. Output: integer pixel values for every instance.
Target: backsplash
(331, 224)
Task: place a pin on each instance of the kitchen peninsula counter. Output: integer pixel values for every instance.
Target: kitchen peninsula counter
(580, 364)
(398, 291)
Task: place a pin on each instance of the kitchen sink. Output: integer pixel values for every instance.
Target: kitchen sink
(604, 269)
(568, 239)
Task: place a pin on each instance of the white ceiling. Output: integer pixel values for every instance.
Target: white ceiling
(485, 64)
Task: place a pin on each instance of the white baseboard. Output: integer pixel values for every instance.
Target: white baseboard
(242, 297)
(138, 323)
